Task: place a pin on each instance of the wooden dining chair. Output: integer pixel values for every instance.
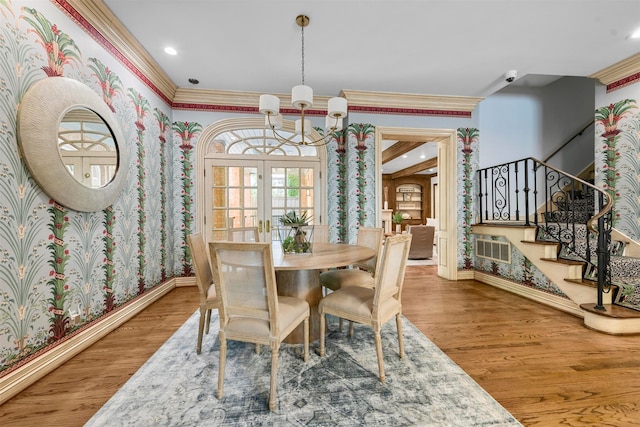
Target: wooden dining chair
(243, 234)
(320, 233)
(373, 307)
(250, 308)
(204, 281)
(360, 274)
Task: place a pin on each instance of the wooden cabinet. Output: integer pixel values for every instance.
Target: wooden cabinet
(409, 195)
(409, 200)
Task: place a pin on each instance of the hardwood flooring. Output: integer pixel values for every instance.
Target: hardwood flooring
(542, 365)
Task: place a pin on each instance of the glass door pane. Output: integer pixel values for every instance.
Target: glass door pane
(234, 197)
(292, 190)
(257, 193)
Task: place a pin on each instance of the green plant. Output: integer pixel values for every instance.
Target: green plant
(296, 244)
(397, 218)
(293, 219)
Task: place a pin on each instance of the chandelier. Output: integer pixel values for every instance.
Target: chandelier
(302, 99)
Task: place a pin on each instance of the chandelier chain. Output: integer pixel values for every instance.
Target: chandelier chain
(302, 29)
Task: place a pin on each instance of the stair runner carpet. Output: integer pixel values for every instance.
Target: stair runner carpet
(625, 270)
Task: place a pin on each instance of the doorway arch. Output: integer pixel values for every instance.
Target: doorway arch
(447, 184)
(211, 145)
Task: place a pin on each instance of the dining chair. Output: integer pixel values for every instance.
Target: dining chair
(204, 281)
(243, 234)
(250, 309)
(360, 274)
(373, 307)
(320, 234)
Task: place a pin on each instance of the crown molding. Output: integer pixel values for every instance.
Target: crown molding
(95, 16)
(619, 70)
(127, 49)
(403, 101)
(187, 98)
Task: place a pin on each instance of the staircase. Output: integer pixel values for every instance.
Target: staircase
(565, 240)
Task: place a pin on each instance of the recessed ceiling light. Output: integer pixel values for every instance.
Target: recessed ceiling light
(422, 156)
(635, 34)
(404, 156)
(170, 51)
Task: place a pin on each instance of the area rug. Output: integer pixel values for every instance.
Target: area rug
(177, 387)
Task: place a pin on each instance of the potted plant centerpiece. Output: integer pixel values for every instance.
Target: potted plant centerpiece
(397, 219)
(296, 233)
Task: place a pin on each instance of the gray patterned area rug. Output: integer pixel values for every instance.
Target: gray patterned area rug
(177, 387)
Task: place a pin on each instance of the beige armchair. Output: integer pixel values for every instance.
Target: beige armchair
(373, 307)
(422, 242)
(250, 309)
(361, 274)
(204, 280)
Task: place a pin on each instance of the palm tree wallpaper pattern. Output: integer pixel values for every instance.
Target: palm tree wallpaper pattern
(55, 261)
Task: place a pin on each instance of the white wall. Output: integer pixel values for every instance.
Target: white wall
(519, 122)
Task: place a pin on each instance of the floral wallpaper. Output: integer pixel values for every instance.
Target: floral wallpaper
(617, 160)
(361, 197)
(467, 143)
(351, 182)
(521, 270)
(61, 269)
(337, 188)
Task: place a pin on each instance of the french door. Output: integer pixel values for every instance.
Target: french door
(256, 193)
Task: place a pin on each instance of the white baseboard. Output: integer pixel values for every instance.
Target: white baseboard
(16, 381)
(554, 301)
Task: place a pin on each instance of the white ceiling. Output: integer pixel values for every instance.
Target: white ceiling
(434, 47)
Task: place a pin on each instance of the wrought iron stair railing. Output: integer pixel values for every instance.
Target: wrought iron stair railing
(564, 208)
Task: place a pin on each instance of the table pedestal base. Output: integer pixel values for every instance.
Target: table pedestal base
(303, 284)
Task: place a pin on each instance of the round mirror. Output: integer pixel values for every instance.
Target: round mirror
(70, 142)
(87, 148)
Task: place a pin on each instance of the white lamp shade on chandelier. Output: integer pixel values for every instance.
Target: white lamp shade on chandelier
(302, 99)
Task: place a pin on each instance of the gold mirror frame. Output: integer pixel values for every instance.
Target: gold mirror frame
(42, 108)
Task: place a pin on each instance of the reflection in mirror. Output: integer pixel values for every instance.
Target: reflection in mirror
(89, 141)
(87, 148)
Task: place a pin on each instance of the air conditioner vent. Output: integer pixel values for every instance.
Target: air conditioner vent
(494, 250)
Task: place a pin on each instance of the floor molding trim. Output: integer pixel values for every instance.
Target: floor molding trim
(21, 378)
(554, 301)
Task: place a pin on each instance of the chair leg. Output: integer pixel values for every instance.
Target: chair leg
(203, 315)
(208, 321)
(322, 325)
(257, 348)
(221, 364)
(350, 328)
(274, 378)
(306, 339)
(340, 324)
(376, 334)
(400, 339)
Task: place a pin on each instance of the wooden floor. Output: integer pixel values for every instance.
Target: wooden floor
(542, 365)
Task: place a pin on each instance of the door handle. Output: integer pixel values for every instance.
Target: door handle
(260, 226)
(268, 228)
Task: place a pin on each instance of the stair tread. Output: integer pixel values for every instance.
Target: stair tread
(612, 310)
(585, 282)
(564, 261)
(540, 242)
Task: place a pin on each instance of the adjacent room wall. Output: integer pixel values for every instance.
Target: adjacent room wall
(519, 122)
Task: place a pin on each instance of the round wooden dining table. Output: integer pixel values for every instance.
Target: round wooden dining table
(298, 275)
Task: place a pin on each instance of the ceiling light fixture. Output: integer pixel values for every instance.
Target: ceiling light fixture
(302, 99)
(170, 51)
